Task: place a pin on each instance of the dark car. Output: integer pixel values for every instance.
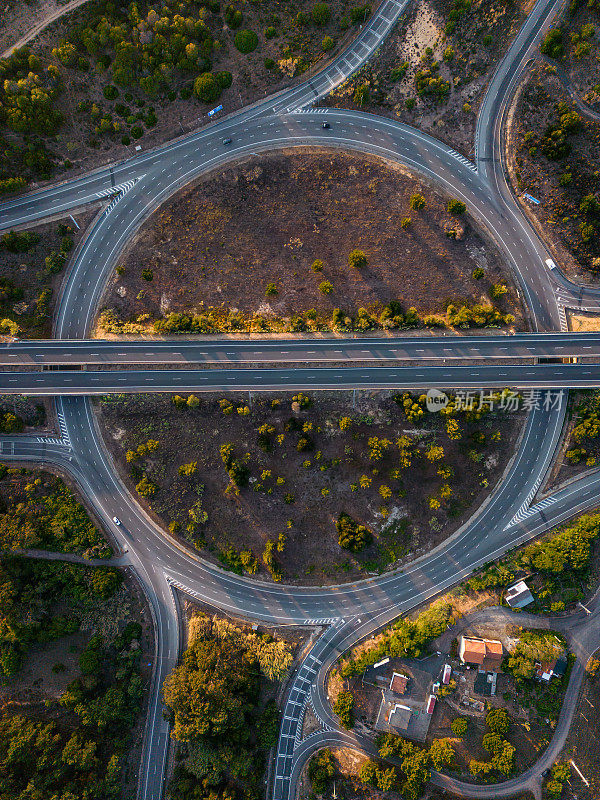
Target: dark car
(227, 141)
(326, 125)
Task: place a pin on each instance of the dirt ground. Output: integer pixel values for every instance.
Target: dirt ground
(38, 289)
(295, 497)
(468, 71)
(558, 215)
(296, 51)
(583, 322)
(18, 18)
(583, 69)
(526, 739)
(216, 247)
(583, 744)
(578, 454)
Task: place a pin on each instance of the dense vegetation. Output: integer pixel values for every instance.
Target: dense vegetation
(562, 562)
(30, 262)
(584, 443)
(554, 161)
(220, 719)
(405, 638)
(41, 601)
(414, 762)
(393, 316)
(37, 510)
(28, 93)
(135, 53)
(79, 752)
(533, 647)
(502, 752)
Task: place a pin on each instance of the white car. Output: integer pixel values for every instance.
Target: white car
(116, 520)
(550, 264)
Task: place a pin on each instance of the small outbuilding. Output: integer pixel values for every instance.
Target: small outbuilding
(518, 595)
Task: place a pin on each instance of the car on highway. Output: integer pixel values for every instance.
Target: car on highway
(550, 264)
(116, 520)
(326, 126)
(227, 140)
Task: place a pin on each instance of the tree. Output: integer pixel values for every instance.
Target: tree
(344, 708)
(368, 773)
(246, 41)
(206, 88)
(498, 721)
(321, 769)
(417, 202)
(321, 14)
(386, 779)
(441, 753)
(192, 401)
(357, 259)
(459, 726)
(352, 536)
(552, 45)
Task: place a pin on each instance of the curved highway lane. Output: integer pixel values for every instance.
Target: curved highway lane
(138, 187)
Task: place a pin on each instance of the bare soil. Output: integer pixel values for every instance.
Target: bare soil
(583, 743)
(558, 215)
(294, 498)
(18, 18)
(468, 71)
(215, 247)
(583, 70)
(583, 322)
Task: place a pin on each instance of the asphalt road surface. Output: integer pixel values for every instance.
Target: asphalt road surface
(133, 189)
(304, 349)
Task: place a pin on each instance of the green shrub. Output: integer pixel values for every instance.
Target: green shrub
(327, 44)
(246, 41)
(357, 259)
(352, 536)
(456, 206)
(270, 32)
(110, 92)
(552, 45)
(321, 14)
(207, 88)
(344, 708)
